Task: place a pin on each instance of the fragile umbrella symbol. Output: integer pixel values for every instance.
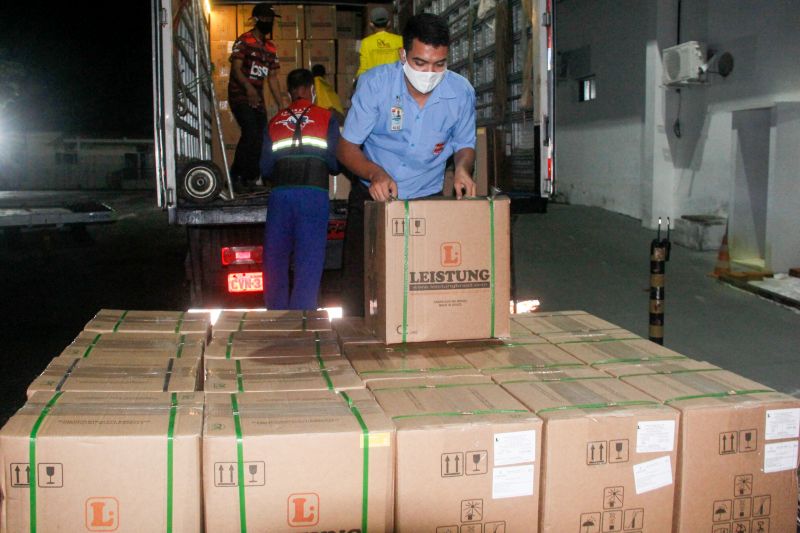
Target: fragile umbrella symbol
(721, 510)
(589, 522)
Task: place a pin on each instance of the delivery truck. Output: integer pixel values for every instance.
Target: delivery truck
(504, 48)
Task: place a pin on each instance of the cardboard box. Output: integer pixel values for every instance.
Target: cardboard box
(738, 449)
(378, 362)
(347, 55)
(344, 88)
(489, 359)
(609, 454)
(320, 22)
(272, 321)
(244, 19)
(100, 463)
(468, 457)
(315, 461)
(521, 334)
(290, 57)
(619, 351)
(280, 374)
(132, 321)
(339, 186)
(349, 24)
(561, 373)
(255, 344)
(221, 63)
(655, 366)
(127, 345)
(291, 25)
(322, 52)
(106, 374)
(353, 330)
(564, 337)
(223, 23)
(553, 323)
(455, 283)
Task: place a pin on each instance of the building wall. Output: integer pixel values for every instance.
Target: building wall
(620, 151)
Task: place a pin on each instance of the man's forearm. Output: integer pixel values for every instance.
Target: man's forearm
(464, 160)
(354, 159)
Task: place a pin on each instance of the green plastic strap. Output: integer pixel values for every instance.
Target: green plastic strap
(640, 359)
(237, 423)
(173, 410)
(92, 345)
(228, 349)
(119, 322)
(32, 459)
(533, 367)
(718, 394)
(180, 322)
(179, 351)
(597, 405)
(239, 380)
(491, 270)
(464, 413)
(365, 460)
(671, 372)
(324, 370)
(406, 224)
(436, 386)
(554, 380)
(241, 321)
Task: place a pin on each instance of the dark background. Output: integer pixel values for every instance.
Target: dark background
(85, 67)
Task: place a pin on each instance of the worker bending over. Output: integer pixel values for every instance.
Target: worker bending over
(298, 156)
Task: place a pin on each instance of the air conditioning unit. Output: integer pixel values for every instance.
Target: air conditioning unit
(684, 63)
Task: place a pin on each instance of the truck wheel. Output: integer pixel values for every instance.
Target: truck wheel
(200, 182)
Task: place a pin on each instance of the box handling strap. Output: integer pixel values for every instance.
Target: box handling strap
(365, 462)
(179, 325)
(406, 231)
(645, 359)
(669, 372)
(725, 394)
(435, 386)
(229, 347)
(119, 322)
(241, 323)
(476, 412)
(173, 409)
(601, 405)
(324, 370)
(237, 424)
(66, 375)
(555, 380)
(92, 345)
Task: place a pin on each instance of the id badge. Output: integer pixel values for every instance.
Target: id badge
(396, 118)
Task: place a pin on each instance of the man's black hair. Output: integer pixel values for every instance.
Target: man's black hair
(427, 28)
(300, 77)
(318, 70)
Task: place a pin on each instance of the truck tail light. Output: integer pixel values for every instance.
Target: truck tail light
(242, 255)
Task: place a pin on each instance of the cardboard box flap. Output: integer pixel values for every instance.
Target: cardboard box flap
(522, 356)
(703, 387)
(561, 373)
(574, 397)
(374, 360)
(244, 344)
(114, 374)
(476, 403)
(166, 345)
(563, 337)
(134, 321)
(619, 351)
(92, 414)
(280, 373)
(657, 366)
(294, 412)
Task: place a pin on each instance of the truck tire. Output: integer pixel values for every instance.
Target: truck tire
(200, 181)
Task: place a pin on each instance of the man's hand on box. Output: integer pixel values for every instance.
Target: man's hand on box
(382, 187)
(464, 184)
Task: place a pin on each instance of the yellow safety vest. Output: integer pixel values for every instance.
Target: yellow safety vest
(378, 49)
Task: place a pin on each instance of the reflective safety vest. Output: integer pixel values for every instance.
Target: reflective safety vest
(299, 136)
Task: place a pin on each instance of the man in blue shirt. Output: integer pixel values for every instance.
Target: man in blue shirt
(407, 118)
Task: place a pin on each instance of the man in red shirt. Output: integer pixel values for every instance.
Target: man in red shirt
(254, 58)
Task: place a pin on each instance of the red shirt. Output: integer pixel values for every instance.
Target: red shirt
(258, 58)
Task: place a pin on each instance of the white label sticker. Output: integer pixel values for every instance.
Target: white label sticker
(655, 436)
(782, 424)
(512, 481)
(514, 448)
(780, 456)
(652, 475)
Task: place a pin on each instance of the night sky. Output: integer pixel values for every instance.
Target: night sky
(86, 67)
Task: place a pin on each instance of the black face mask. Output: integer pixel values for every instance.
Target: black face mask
(264, 27)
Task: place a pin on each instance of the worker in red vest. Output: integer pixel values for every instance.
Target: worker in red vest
(299, 154)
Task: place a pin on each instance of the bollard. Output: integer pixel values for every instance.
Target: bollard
(659, 255)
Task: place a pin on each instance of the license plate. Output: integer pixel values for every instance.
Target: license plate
(246, 282)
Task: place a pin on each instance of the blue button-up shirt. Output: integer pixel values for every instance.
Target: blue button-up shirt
(414, 156)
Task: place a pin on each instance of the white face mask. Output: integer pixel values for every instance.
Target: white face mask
(424, 82)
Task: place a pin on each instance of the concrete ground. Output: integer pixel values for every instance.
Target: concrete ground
(573, 257)
(587, 258)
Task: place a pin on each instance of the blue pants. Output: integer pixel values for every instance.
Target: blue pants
(296, 231)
